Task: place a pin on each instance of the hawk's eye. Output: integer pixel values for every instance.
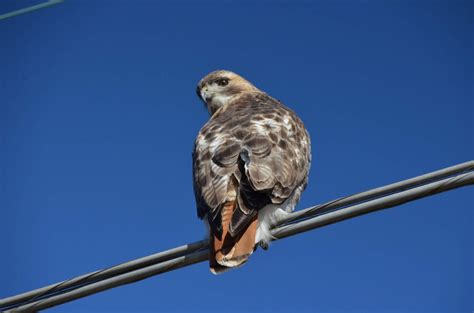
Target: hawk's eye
(222, 82)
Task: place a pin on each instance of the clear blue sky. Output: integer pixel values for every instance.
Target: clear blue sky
(98, 115)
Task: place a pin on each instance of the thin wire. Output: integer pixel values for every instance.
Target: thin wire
(379, 192)
(375, 205)
(181, 256)
(101, 274)
(186, 249)
(281, 232)
(30, 9)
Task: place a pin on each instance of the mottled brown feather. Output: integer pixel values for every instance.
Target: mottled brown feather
(253, 151)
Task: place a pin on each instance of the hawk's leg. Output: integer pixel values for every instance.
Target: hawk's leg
(263, 244)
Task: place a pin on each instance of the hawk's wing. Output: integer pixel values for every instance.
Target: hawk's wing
(257, 151)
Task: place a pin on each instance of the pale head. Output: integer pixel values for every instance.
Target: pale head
(220, 87)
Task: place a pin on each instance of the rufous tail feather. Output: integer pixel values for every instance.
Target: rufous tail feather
(229, 252)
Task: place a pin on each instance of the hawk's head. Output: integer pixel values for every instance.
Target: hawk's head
(219, 87)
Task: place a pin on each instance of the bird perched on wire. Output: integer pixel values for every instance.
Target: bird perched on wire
(250, 165)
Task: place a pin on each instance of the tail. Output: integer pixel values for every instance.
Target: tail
(231, 250)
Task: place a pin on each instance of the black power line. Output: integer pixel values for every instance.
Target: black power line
(318, 216)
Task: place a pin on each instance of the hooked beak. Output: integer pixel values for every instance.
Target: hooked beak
(202, 94)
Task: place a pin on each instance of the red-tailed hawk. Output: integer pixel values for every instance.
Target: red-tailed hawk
(250, 164)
